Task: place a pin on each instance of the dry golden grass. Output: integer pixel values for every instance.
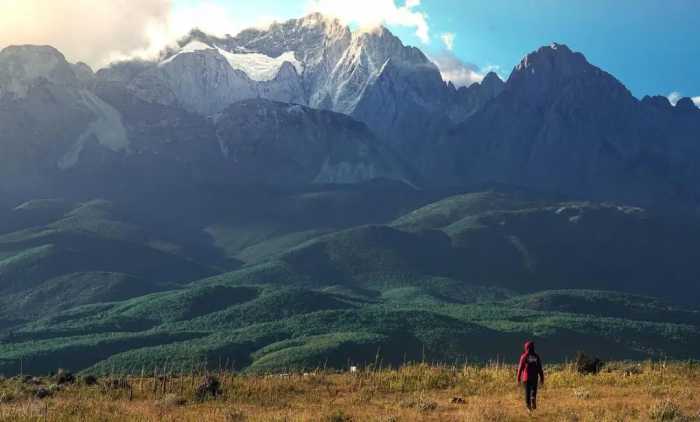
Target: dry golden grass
(622, 392)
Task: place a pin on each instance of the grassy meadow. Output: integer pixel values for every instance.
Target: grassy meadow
(418, 392)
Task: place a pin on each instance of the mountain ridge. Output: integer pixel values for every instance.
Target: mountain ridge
(558, 124)
(563, 125)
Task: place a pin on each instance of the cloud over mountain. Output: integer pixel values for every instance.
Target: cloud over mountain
(81, 30)
(457, 71)
(372, 13)
(448, 39)
(675, 96)
(114, 30)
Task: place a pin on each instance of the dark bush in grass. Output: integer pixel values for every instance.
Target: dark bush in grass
(210, 386)
(89, 380)
(64, 377)
(587, 364)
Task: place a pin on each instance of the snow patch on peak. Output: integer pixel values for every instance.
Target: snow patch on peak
(193, 46)
(260, 67)
(257, 66)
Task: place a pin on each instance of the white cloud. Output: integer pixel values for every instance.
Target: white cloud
(369, 14)
(448, 38)
(98, 33)
(498, 70)
(208, 16)
(81, 29)
(675, 96)
(456, 71)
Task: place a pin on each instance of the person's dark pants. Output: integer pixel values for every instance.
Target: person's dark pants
(531, 394)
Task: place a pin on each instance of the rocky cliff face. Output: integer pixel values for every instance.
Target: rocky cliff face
(48, 115)
(466, 101)
(63, 130)
(269, 142)
(564, 125)
(22, 67)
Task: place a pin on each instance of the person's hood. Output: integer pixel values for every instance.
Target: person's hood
(529, 347)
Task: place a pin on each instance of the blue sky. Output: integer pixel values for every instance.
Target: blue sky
(652, 46)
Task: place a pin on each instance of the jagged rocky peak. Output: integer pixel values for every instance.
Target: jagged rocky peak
(123, 72)
(492, 79)
(85, 74)
(556, 70)
(657, 101)
(303, 36)
(554, 56)
(379, 46)
(330, 27)
(492, 83)
(23, 65)
(315, 60)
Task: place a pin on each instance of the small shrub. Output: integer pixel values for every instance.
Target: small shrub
(6, 397)
(666, 410)
(210, 386)
(33, 381)
(427, 406)
(89, 380)
(42, 393)
(64, 377)
(587, 365)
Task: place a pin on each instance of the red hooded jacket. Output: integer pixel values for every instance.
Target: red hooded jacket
(530, 366)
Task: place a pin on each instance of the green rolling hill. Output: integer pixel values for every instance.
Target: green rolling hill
(266, 286)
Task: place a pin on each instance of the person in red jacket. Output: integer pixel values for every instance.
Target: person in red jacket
(529, 370)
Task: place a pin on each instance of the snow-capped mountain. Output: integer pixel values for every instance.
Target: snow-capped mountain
(315, 61)
(64, 128)
(205, 79)
(308, 101)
